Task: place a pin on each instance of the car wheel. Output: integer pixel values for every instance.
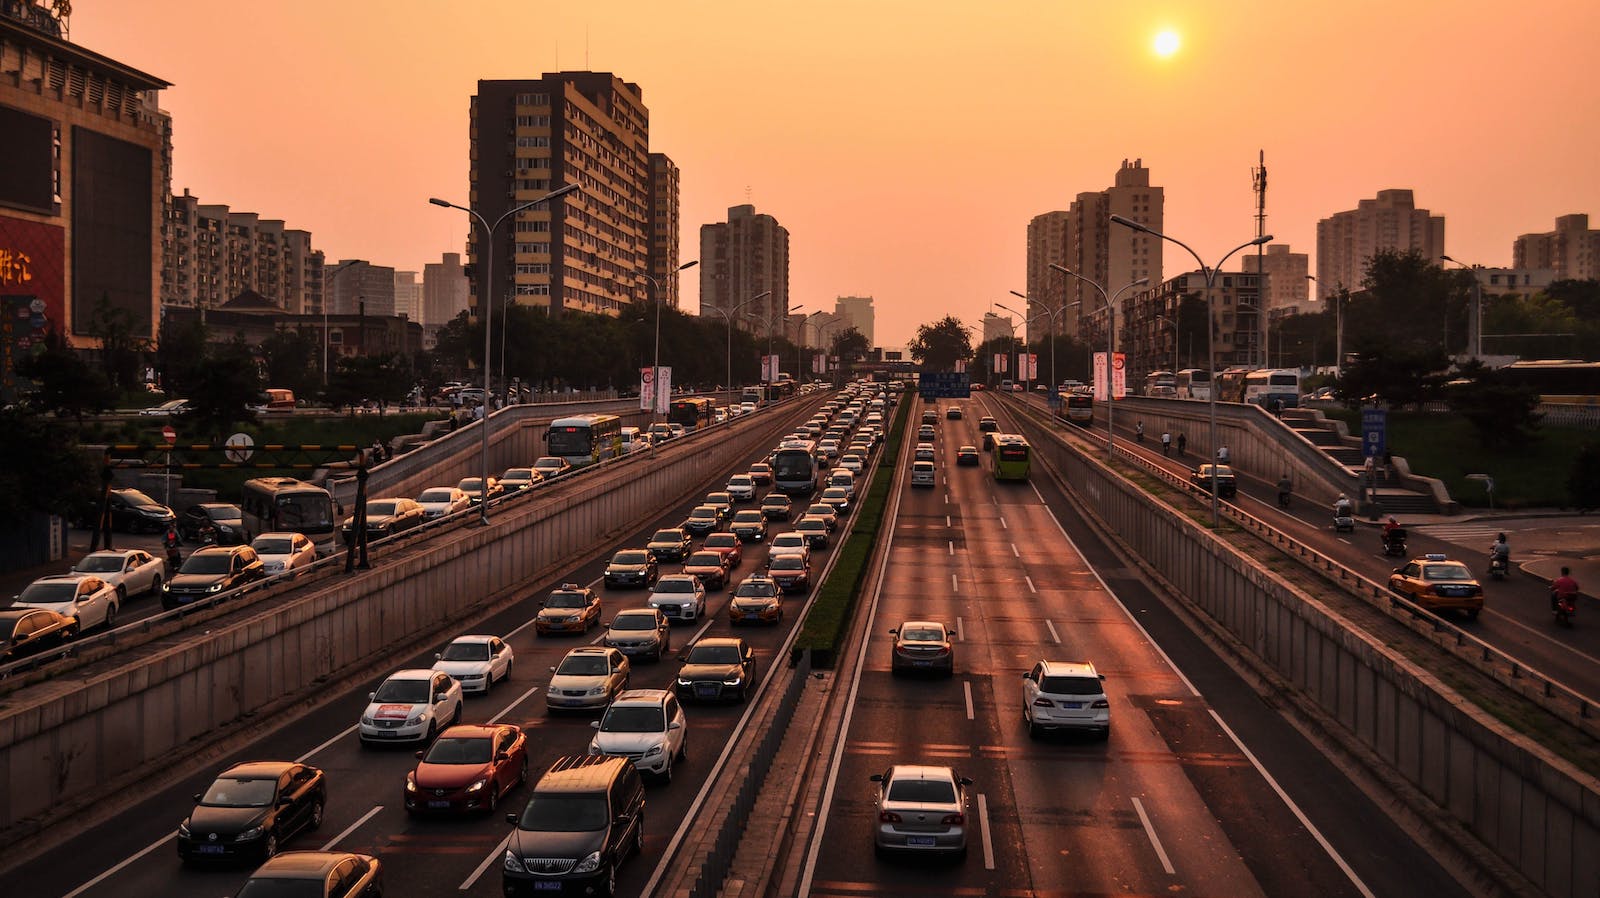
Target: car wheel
(427, 737)
(522, 772)
(638, 836)
(1033, 727)
(122, 593)
(316, 816)
(494, 799)
(456, 717)
(155, 586)
(609, 888)
(111, 614)
(666, 772)
(683, 749)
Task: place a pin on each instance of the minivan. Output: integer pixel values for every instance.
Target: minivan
(585, 816)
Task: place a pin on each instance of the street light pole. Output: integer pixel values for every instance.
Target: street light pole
(1055, 337)
(771, 321)
(1028, 323)
(728, 316)
(655, 364)
(1111, 345)
(1211, 335)
(1474, 345)
(487, 312)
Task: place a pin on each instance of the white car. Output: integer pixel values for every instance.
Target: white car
(132, 571)
(438, 501)
(742, 487)
(852, 463)
(588, 677)
(680, 597)
(646, 726)
(281, 552)
(411, 706)
(676, 430)
(1065, 695)
(84, 597)
(789, 541)
(922, 473)
(746, 408)
(476, 662)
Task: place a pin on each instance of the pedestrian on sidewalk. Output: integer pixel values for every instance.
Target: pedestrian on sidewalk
(1222, 454)
(1183, 443)
(1166, 442)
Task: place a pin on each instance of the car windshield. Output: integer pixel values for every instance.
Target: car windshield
(761, 467)
(775, 500)
(763, 589)
(667, 536)
(1071, 685)
(714, 654)
(224, 512)
(456, 750)
(49, 593)
(703, 512)
(203, 563)
(518, 474)
(748, 516)
(809, 523)
(740, 480)
(1450, 571)
(835, 492)
(789, 561)
(269, 886)
(229, 792)
(582, 666)
(99, 564)
(674, 585)
(548, 461)
(465, 651)
(922, 634)
(722, 541)
(789, 540)
(704, 559)
(634, 622)
(439, 495)
(930, 791)
(565, 600)
(382, 508)
(629, 558)
(470, 485)
(821, 508)
(307, 511)
(637, 719)
(564, 814)
(403, 692)
(273, 546)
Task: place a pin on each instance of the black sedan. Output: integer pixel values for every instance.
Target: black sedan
(717, 667)
(251, 810)
(209, 571)
(213, 522)
(131, 511)
(633, 567)
(671, 544)
(28, 631)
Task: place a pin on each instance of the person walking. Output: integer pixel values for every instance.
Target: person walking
(1222, 454)
(1183, 443)
(1166, 442)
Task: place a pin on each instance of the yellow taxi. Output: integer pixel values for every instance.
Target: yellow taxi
(570, 609)
(1438, 583)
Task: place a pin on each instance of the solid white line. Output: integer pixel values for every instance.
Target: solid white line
(1299, 814)
(1343, 540)
(1003, 525)
(125, 862)
(496, 856)
(351, 828)
(966, 686)
(1155, 841)
(954, 586)
(1048, 624)
(515, 702)
(983, 824)
(336, 737)
(1543, 636)
(1031, 587)
(1014, 552)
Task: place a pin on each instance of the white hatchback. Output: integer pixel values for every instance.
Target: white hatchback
(281, 552)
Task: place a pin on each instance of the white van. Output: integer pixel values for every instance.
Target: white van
(632, 440)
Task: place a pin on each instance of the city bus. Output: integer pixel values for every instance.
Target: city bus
(794, 468)
(1080, 409)
(1557, 381)
(1161, 384)
(692, 412)
(585, 439)
(1012, 456)
(1264, 386)
(287, 505)
(1193, 383)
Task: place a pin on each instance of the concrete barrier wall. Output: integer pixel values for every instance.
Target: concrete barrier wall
(1537, 812)
(65, 741)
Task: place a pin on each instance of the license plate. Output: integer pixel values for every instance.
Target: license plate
(752, 615)
(920, 841)
(922, 663)
(438, 804)
(208, 849)
(1072, 705)
(706, 691)
(545, 886)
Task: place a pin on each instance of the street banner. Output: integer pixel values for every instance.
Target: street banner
(647, 391)
(999, 363)
(1032, 372)
(663, 389)
(961, 367)
(1100, 379)
(1119, 375)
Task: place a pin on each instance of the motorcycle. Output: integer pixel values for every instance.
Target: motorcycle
(1563, 608)
(1499, 566)
(1344, 519)
(1394, 542)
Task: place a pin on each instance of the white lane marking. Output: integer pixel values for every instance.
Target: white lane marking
(1299, 814)
(952, 547)
(961, 632)
(1031, 587)
(1155, 840)
(336, 737)
(1014, 552)
(1343, 540)
(947, 498)
(351, 828)
(1056, 637)
(966, 687)
(515, 702)
(496, 856)
(954, 586)
(983, 825)
(1003, 524)
(125, 862)
(1539, 634)
(947, 521)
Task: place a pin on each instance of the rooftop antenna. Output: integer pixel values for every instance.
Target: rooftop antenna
(1259, 179)
(747, 194)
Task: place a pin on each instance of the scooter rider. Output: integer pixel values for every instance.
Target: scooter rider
(1500, 551)
(1563, 589)
(1342, 507)
(1285, 487)
(174, 555)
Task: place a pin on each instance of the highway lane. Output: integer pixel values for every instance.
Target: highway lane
(135, 853)
(1171, 802)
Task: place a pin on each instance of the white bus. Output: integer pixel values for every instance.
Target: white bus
(1194, 383)
(794, 468)
(1266, 385)
(585, 439)
(1161, 384)
(284, 504)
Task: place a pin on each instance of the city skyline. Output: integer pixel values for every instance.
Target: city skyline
(871, 188)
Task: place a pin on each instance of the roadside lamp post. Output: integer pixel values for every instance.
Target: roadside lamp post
(487, 311)
(727, 315)
(1110, 305)
(1475, 345)
(655, 364)
(1055, 335)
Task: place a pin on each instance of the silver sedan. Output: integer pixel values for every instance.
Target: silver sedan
(921, 810)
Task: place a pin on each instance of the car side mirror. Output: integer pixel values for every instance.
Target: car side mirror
(552, 670)
(511, 819)
(197, 798)
(876, 777)
(437, 656)
(417, 754)
(964, 781)
(675, 725)
(594, 724)
(894, 632)
(372, 696)
(502, 756)
(438, 697)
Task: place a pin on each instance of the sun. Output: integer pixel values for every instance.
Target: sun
(1166, 43)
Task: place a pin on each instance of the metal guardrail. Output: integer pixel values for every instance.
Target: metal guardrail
(1545, 691)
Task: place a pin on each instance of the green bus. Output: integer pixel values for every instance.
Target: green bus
(1012, 457)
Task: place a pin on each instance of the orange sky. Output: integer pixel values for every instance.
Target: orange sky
(904, 144)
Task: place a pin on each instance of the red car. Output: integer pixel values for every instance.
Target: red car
(726, 543)
(467, 768)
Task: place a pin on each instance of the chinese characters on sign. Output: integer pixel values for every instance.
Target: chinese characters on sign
(16, 267)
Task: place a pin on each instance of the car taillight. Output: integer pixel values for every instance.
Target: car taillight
(957, 819)
(888, 817)
(1099, 703)
(943, 650)
(1043, 703)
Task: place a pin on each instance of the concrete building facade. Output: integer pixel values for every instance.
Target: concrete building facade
(354, 284)
(1147, 332)
(1288, 285)
(858, 312)
(1390, 222)
(1572, 250)
(1049, 240)
(445, 293)
(408, 299)
(212, 254)
(663, 252)
(996, 327)
(741, 258)
(586, 250)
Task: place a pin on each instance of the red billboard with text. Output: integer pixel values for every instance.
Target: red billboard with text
(32, 291)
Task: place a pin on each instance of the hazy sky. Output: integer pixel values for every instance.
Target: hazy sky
(905, 145)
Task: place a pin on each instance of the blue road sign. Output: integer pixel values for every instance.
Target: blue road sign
(944, 385)
(1374, 432)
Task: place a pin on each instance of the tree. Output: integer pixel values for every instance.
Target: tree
(381, 379)
(940, 345)
(1396, 377)
(122, 349)
(1503, 413)
(292, 359)
(37, 453)
(67, 384)
(849, 346)
(1583, 484)
(179, 355)
(1409, 303)
(226, 384)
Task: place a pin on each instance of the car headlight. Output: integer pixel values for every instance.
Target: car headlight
(414, 719)
(683, 682)
(588, 864)
(598, 690)
(253, 832)
(733, 681)
(215, 587)
(553, 690)
(183, 830)
(166, 587)
(653, 750)
(594, 747)
(512, 862)
(411, 782)
(477, 786)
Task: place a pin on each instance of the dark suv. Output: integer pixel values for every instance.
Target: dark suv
(586, 815)
(209, 571)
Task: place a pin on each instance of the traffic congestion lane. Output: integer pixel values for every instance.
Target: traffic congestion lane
(432, 856)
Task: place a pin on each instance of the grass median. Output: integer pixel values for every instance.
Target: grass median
(824, 626)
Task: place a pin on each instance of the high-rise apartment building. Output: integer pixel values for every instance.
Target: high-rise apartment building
(1288, 278)
(586, 250)
(85, 154)
(1572, 250)
(1083, 239)
(445, 294)
(213, 254)
(663, 251)
(1391, 222)
(996, 327)
(857, 310)
(1147, 331)
(741, 258)
(408, 296)
(354, 285)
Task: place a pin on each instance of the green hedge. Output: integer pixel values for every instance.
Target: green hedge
(824, 626)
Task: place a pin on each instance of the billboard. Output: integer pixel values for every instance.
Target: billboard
(1118, 380)
(114, 221)
(28, 179)
(32, 292)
